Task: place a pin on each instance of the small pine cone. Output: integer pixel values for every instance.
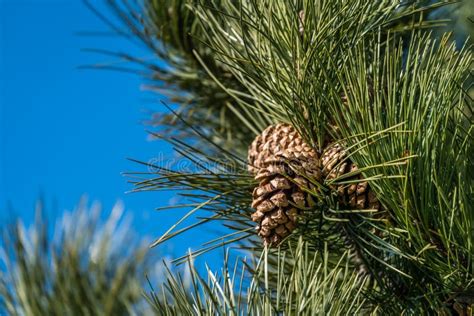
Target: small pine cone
(356, 195)
(282, 163)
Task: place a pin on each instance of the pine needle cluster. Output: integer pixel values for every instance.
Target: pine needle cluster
(83, 266)
(369, 74)
(376, 76)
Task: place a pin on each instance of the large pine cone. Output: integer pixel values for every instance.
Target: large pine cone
(356, 195)
(280, 141)
(284, 164)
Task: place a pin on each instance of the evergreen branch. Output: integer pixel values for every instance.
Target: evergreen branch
(422, 88)
(181, 70)
(351, 71)
(304, 285)
(83, 270)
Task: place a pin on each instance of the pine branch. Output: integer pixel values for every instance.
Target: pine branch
(283, 60)
(430, 205)
(83, 270)
(366, 74)
(184, 71)
(302, 284)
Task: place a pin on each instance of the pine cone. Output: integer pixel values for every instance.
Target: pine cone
(281, 161)
(358, 195)
(277, 142)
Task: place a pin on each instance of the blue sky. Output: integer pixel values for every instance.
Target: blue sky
(65, 131)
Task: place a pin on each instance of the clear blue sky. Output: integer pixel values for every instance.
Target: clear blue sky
(66, 132)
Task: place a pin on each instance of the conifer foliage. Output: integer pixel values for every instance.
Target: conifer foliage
(381, 104)
(331, 144)
(81, 265)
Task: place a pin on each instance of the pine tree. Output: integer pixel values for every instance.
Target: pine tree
(381, 102)
(378, 96)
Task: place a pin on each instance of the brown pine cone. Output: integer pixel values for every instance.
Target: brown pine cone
(283, 164)
(358, 194)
